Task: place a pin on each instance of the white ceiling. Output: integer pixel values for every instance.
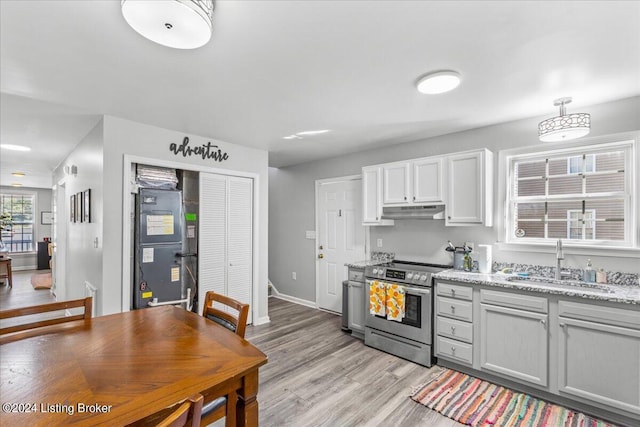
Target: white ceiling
(273, 68)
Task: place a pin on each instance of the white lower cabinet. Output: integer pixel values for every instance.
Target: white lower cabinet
(356, 307)
(597, 361)
(514, 343)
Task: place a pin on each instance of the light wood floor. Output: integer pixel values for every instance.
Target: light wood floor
(318, 375)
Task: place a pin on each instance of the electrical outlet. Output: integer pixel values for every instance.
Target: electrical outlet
(293, 276)
(469, 245)
(379, 243)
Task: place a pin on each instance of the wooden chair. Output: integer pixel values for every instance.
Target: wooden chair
(7, 274)
(86, 303)
(224, 406)
(187, 414)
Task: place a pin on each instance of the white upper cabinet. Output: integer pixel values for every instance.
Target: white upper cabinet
(397, 183)
(414, 182)
(470, 188)
(372, 196)
(428, 180)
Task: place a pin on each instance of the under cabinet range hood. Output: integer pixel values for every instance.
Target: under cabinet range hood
(413, 212)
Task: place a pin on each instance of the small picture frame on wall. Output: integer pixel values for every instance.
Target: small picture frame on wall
(79, 207)
(86, 205)
(72, 208)
(46, 218)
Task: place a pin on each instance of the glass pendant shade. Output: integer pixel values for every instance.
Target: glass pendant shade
(565, 126)
(180, 24)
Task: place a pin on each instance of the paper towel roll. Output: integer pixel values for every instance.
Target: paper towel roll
(484, 258)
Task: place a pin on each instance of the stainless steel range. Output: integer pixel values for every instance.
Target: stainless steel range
(410, 337)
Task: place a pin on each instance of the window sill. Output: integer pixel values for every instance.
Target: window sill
(568, 248)
(20, 254)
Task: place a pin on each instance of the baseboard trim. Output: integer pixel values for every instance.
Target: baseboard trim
(295, 300)
(24, 267)
(262, 321)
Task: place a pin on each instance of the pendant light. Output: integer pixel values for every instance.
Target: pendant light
(565, 126)
(180, 24)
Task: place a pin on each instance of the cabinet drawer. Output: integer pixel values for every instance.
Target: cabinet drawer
(519, 301)
(601, 314)
(455, 329)
(454, 350)
(356, 275)
(461, 310)
(455, 291)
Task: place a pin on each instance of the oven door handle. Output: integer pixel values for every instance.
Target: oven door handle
(417, 291)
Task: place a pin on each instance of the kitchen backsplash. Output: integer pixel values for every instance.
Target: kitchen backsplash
(613, 277)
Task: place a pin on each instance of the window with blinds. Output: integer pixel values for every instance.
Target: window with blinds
(582, 195)
(18, 225)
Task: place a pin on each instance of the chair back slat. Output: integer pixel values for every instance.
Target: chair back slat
(239, 320)
(85, 303)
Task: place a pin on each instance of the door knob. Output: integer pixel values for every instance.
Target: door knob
(320, 256)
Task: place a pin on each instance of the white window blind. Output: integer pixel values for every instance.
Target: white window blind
(582, 195)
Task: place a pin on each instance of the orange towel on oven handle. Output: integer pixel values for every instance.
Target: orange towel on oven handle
(377, 298)
(395, 302)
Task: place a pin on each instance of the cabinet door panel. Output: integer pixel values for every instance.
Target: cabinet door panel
(371, 200)
(427, 181)
(396, 184)
(465, 200)
(356, 306)
(514, 343)
(600, 363)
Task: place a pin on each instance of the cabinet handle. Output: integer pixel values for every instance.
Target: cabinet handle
(544, 322)
(449, 217)
(453, 330)
(376, 218)
(453, 350)
(453, 309)
(405, 197)
(453, 292)
(563, 325)
(414, 198)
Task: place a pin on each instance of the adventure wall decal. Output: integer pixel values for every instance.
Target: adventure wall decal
(206, 151)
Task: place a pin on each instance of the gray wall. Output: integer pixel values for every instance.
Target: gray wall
(83, 260)
(292, 208)
(28, 261)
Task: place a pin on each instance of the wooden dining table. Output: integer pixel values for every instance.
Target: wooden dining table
(120, 368)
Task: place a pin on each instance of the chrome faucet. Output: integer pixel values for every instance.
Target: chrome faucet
(559, 258)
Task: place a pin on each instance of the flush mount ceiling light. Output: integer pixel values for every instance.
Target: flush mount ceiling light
(300, 135)
(438, 82)
(565, 126)
(181, 24)
(15, 147)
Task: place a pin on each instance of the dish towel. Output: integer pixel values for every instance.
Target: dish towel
(377, 298)
(395, 302)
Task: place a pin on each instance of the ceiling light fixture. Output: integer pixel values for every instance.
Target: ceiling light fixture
(565, 126)
(18, 174)
(16, 184)
(312, 132)
(292, 137)
(438, 82)
(181, 24)
(15, 147)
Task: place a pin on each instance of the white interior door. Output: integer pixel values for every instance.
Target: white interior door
(340, 238)
(59, 240)
(240, 241)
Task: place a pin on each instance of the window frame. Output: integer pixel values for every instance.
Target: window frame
(630, 195)
(35, 223)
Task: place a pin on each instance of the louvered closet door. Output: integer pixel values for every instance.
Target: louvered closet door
(240, 240)
(212, 252)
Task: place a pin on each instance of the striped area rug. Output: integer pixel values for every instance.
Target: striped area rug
(474, 402)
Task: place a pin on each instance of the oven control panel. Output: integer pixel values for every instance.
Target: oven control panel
(400, 275)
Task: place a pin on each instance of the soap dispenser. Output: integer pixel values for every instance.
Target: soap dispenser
(589, 274)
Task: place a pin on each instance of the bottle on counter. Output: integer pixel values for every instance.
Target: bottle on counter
(601, 276)
(467, 264)
(589, 274)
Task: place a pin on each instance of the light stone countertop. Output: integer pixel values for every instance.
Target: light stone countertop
(608, 292)
(362, 264)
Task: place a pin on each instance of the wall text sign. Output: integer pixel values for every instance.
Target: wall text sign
(206, 151)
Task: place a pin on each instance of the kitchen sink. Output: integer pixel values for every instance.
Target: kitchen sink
(574, 285)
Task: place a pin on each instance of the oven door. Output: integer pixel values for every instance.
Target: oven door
(416, 324)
